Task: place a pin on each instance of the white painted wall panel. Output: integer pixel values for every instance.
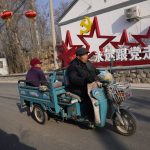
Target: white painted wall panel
(83, 7)
(4, 67)
(111, 23)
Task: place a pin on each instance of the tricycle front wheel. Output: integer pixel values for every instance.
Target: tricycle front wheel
(39, 114)
(129, 121)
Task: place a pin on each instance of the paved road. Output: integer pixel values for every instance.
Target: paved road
(20, 132)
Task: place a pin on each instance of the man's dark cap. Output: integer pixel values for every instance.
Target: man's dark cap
(81, 51)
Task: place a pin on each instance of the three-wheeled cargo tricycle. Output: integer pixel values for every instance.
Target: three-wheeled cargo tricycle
(56, 100)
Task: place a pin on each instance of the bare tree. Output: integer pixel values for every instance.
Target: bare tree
(11, 46)
(22, 38)
(18, 40)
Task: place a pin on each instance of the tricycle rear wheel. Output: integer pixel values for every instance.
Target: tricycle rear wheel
(39, 114)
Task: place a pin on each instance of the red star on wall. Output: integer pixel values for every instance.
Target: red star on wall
(95, 28)
(91, 54)
(124, 41)
(67, 50)
(68, 40)
(140, 37)
(65, 54)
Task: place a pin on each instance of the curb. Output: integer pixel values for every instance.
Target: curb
(140, 88)
(8, 81)
(133, 86)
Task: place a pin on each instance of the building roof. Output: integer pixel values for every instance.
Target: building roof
(67, 10)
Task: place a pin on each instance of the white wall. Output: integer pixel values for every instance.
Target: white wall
(82, 7)
(111, 23)
(4, 70)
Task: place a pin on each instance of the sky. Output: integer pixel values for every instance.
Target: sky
(42, 4)
(55, 2)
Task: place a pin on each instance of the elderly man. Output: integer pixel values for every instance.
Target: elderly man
(80, 73)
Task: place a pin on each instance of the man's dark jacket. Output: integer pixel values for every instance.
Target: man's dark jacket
(79, 75)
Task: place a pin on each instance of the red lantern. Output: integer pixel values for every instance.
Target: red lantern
(6, 14)
(30, 14)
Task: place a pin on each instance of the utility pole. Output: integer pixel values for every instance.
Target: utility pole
(52, 27)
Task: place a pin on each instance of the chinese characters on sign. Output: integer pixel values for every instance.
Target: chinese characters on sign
(122, 54)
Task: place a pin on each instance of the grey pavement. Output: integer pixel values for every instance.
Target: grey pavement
(20, 132)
